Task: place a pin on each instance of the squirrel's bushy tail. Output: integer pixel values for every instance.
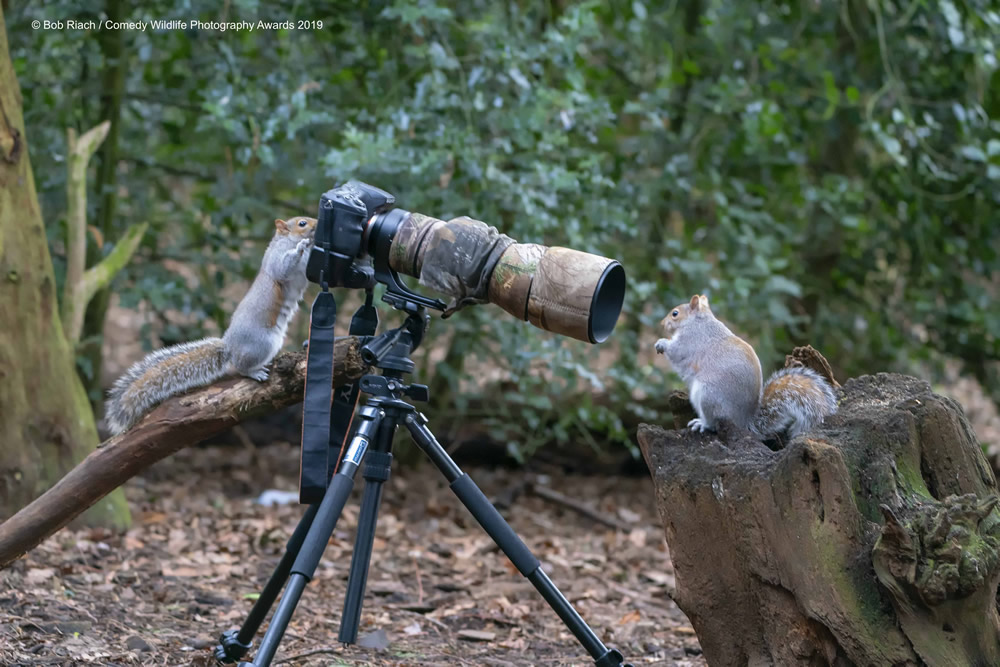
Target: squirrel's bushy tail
(794, 400)
(160, 375)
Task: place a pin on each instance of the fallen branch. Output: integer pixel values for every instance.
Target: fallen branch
(177, 423)
(575, 505)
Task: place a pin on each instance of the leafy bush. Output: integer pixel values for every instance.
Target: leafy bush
(826, 172)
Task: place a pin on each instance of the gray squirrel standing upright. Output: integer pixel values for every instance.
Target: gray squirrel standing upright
(255, 334)
(723, 376)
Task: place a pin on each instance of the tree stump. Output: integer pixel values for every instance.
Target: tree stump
(871, 541)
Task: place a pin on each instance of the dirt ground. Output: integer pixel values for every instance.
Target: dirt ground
(439, 591)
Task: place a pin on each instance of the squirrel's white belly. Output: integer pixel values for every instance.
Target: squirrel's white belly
(288, 309)
(695, 393)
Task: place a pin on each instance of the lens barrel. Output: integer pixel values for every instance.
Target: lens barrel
(565, 291)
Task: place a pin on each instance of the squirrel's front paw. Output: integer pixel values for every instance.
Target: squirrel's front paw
(259, 375)
(698, 425)
(302, 246)
(661, 346)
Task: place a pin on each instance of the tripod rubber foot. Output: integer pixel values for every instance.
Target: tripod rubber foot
(230, 648)
(613, 658)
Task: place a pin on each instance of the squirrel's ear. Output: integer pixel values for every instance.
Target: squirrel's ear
(694, 302)
(703, 301)
(281, 226)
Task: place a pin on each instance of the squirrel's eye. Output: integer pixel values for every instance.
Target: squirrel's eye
(302, 223)
(675, 313)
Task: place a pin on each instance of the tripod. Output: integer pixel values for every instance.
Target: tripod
(376, 424)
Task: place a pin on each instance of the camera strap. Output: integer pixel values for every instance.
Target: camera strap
(364, 323)
(317, 399)
(327, 413)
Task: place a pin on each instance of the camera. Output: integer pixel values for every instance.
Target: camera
(565, 291)
(340, 225)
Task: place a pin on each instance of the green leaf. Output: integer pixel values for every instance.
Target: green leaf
(783, 285)
(832, 95)
(974, 153)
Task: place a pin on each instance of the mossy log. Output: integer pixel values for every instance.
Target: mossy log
(871, 541)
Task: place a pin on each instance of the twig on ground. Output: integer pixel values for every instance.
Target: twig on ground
(578, 507)
(642, 598)
(315, 651)
(425, 617)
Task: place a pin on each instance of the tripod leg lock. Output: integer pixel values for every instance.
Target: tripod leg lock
(377, 466)
(230, 648)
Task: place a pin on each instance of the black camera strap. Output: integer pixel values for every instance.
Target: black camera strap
(345, 399)
(316, 402)
(327, 414)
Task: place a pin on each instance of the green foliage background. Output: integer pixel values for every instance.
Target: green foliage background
(826, 172)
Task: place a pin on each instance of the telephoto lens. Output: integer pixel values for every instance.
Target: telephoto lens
(565, 291)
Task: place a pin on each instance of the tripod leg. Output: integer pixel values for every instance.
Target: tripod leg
(377, 465)
(233, 645)
(505, 537)
(319, 534)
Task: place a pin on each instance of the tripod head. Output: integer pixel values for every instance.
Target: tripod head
(390, 353)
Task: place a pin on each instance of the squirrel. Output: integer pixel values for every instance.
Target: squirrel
(254, 336)
(723, 376)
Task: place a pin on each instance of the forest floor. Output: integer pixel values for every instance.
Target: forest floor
(439, 592)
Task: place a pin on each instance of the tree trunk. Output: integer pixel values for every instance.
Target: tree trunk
(46, 425)
(871, 541)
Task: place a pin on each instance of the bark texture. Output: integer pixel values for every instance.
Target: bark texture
(46, 425)
(871, 541)
(177, 423)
